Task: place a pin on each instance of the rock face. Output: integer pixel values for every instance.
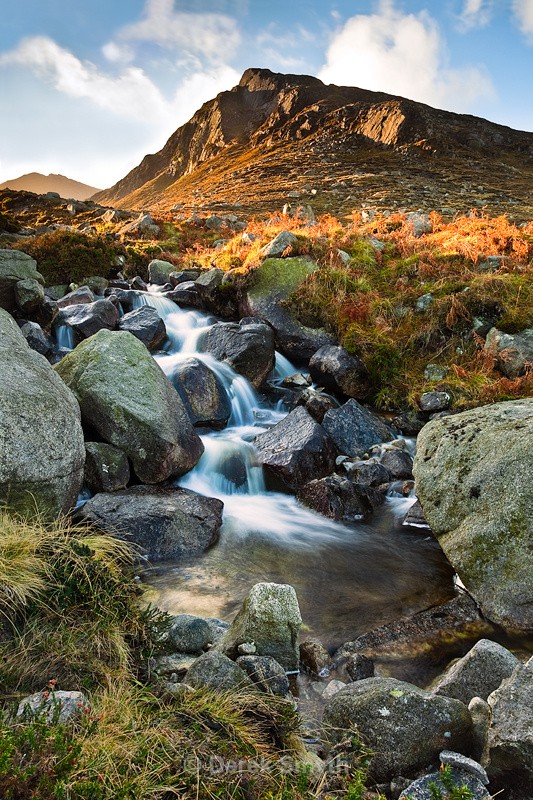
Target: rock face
(478, 673)
(272, 283)
(248, 347)
(270, 617)
(354, 429)
(163, 522)
(41, 440)
(146, 325)
(89, 318)
(472, 478)
(206, 401)
(404, 726)
(333, 368)
(513, 352)
(297, 449)
(127, 399)
(14, 267)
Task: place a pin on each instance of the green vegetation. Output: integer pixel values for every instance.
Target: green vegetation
(68, 256)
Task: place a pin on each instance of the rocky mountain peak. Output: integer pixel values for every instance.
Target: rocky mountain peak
(258, 79)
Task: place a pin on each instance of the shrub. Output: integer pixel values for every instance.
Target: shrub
(68, 257)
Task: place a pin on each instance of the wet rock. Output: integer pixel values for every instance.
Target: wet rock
(159, 271)
(314, 656)
(270, 617)
(485, 454)
(163, 523)
(45, 315)
(126, 398)
(410, 423)
(41, 439)
(297, 449)
(435, 401)
(146, 325)
(189, 634)
(265, 673)
(248, 347)
(37, 339)
(318, 405)
(333, 368)
(80, 295)
(404, 727)
(205, 400)
(398, 463)
(87, 319)
(15, 266)
(284, 244)
(478, 673)
(354, 429)
(58, 706)
(415, 517)
(359, 667)
(215, 671)
(106, 467)
(513, 352)
(126, 298)
(186, 294)
(29, 295)
(183, 276)
(335, 497)
(138, 284)
(367, 473)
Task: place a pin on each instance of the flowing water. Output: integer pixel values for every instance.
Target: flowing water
(348, 578)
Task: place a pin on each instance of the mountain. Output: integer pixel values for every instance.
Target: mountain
(40, 184)
(275, 136)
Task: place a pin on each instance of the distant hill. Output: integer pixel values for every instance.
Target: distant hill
(276, 136)
(40, 184)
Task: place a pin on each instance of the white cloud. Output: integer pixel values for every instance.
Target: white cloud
(523, 10)
(212, 37)
(402, 54)
(476, 13)
(118, 53)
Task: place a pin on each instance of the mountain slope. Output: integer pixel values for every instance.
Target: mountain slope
(273, 134)
(40, 184)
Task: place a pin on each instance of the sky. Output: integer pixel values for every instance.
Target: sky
(88, 87)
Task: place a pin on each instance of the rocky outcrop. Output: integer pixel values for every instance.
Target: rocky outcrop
(297, 449)
(41, 440)
(15, 266)
(162, 523)
(472, 478)
(126, 398)
(248, 347)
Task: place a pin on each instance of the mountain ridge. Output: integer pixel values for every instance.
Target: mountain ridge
(38, 183)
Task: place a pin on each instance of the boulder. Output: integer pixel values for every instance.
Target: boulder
(428, 787)
(247, 346)
(97, 284)
(398, 463)
(127, 399)
(29, 295)
(41, 439)
(513, 352)
(216, 671)
(297, 449)
(404, 727)
(284, 244)
(265, 672)
(53, 706)
(186, 294)
(15, 266)
(333, 368)
(159, 271)
(314, 656)
(205, 400)
(189, 634)
(272, 283)
(335, 497)
(80, 295)
(478, 673)
(183, 276)
(432, 402)
(270, 617)
(164, 523)
(472, 479)
(146, 325)
(86, 319)
(143, 225)
(37, 339)
(106, 467)
(354, 428)
(509, 744)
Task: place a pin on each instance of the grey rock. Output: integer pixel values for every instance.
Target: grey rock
(208, 281)
(419, 222)
(159, 271)
(415, 517)
(146, 325)
(183, 276)
(314, 656)
(127, 399)
(284, 244)
(509, 744)
(186, 294)
(434, 372)
(513, 352)
(405, 727)
(248, 347)
(359, 667)
(461, 762)
(265, 673)
(175, 664)
(481, 715)
(29, 295)
(189, 634)
(424, 302)
(87, 319)
(478, 673)
(484, 525)
(204, 398)
(15, 266)
(163, 523)
(270, 617)
(435, 401)
(217, 629)
(106, 467)
(318, 404)
(425, 788)
(59, 706)
(138, 284)
(354, 429)
(37, 339)
(143, 225)
(335, 497)
(367, 473)
(80, 295)
(297, 449)
(214, 670)
(333, 368)
(398, 463)
(41, 439)
(97, 284)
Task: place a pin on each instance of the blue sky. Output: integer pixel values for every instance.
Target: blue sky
(90, 86)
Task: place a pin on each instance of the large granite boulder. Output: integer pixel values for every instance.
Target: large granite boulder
(270, 618)
(297, 449)
(333, 368)
(472, 475)
(354, 428)
(247, 346)
(270, 285)
(41, 440)
(15, 266)
(206, 401)
(127, 399)
(405, 727)
(163, 523)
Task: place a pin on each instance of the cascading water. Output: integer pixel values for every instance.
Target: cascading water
(348, 578)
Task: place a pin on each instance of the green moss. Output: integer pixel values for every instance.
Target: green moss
(280, 276)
